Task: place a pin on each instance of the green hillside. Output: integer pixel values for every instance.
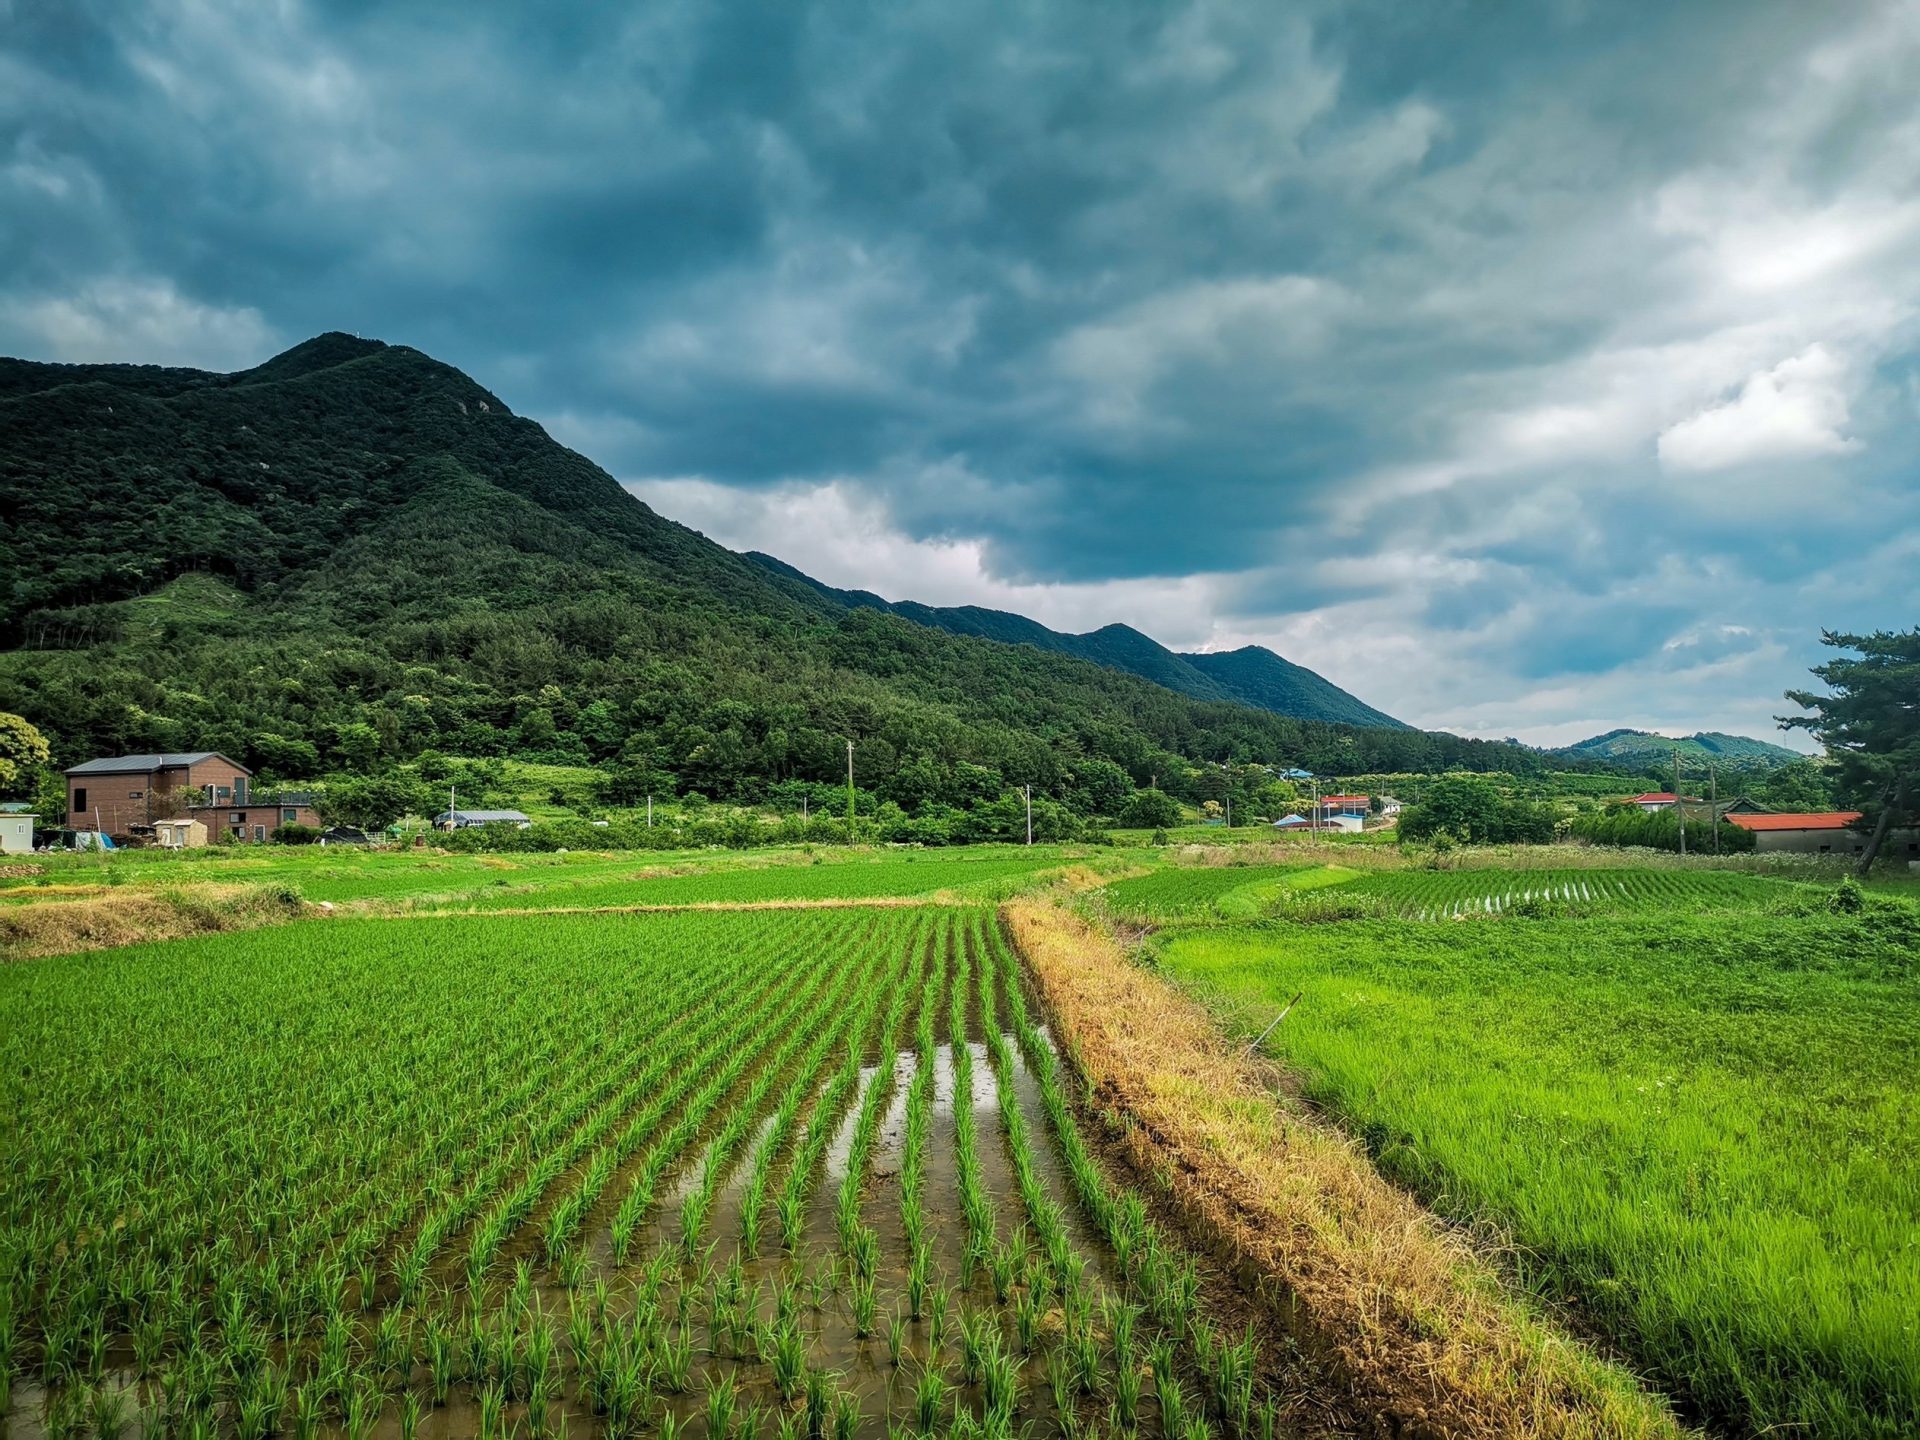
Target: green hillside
(1638, 747)
(353, 554)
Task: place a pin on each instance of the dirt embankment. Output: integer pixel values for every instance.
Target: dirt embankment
(130, 917)
(1417, 1326)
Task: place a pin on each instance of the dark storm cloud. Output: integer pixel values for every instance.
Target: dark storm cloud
(1476, 347)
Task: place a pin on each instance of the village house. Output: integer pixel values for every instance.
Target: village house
(1832, 832)
(1660, 800)
(124, 795)
(1334, 807)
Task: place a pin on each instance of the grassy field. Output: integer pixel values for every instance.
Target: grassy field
(740, 1173)
(1692, 1100)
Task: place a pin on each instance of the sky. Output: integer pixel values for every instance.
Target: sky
(1525, 369)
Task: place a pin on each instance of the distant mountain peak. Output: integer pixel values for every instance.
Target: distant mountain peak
(1251, 675)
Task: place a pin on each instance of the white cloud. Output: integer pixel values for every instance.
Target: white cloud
(144, 321)
(1795, 411)
(1215, 325)
(842, 536)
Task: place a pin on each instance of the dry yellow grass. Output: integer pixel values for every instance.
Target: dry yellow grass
(130, 917)
(1417, 1325)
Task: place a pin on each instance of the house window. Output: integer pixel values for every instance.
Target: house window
(238, 817)
(1826, 849)
(240, 787)
(136, 794)
(259, 833)
(289, 815)
(80, 798)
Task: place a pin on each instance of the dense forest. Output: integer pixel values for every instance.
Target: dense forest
(354, 554)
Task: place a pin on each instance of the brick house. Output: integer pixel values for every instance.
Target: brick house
(125, 794)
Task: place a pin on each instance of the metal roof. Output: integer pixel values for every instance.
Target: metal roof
(481, 815)
(144, 764)
(1821, 820)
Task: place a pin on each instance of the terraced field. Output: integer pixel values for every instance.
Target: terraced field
(770, 1173)
(1448, 894)
(1189, 891)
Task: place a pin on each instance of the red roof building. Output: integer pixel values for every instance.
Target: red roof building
(1822, 820)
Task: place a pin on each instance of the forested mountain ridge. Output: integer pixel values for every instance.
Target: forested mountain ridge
(354, 553)
(1640, 747)
(1252, 675)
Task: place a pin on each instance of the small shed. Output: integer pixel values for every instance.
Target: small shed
(180, 834)
(16, 832)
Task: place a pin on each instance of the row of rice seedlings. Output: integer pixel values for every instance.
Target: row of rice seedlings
(976, 1206)
(565, 1217)
(786, 1119)
(641, 1190)
(919, 1118)
(683, 1040)
(516, 1206)
(791, 1205)
(857, 1240)
(815, 1032)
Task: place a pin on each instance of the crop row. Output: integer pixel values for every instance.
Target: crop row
(1445, 894)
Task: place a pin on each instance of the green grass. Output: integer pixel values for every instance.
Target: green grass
(1702, 1130)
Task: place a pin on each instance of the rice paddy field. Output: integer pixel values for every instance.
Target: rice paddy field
(340, 875)
(737, 1174)
(1688, 1101)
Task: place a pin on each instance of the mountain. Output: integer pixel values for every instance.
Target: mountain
(1640, 747)
(1251, 676)
(354, 553)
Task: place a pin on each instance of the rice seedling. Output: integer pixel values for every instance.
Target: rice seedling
(929, 1400)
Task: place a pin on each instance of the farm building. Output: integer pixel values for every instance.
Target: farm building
(126, 795)
(16, 832)
(1291, 822)
(1833, 832)
(1660, 800)
(465, 819)
(1334, 806)
(180, 834)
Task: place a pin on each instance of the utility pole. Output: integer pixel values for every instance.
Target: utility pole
(803, 812)
(1313, 813)
(1713, 803)
(849, 789)
(450, 807)
(1027, 790)
(649, 812)
(1679, 800)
